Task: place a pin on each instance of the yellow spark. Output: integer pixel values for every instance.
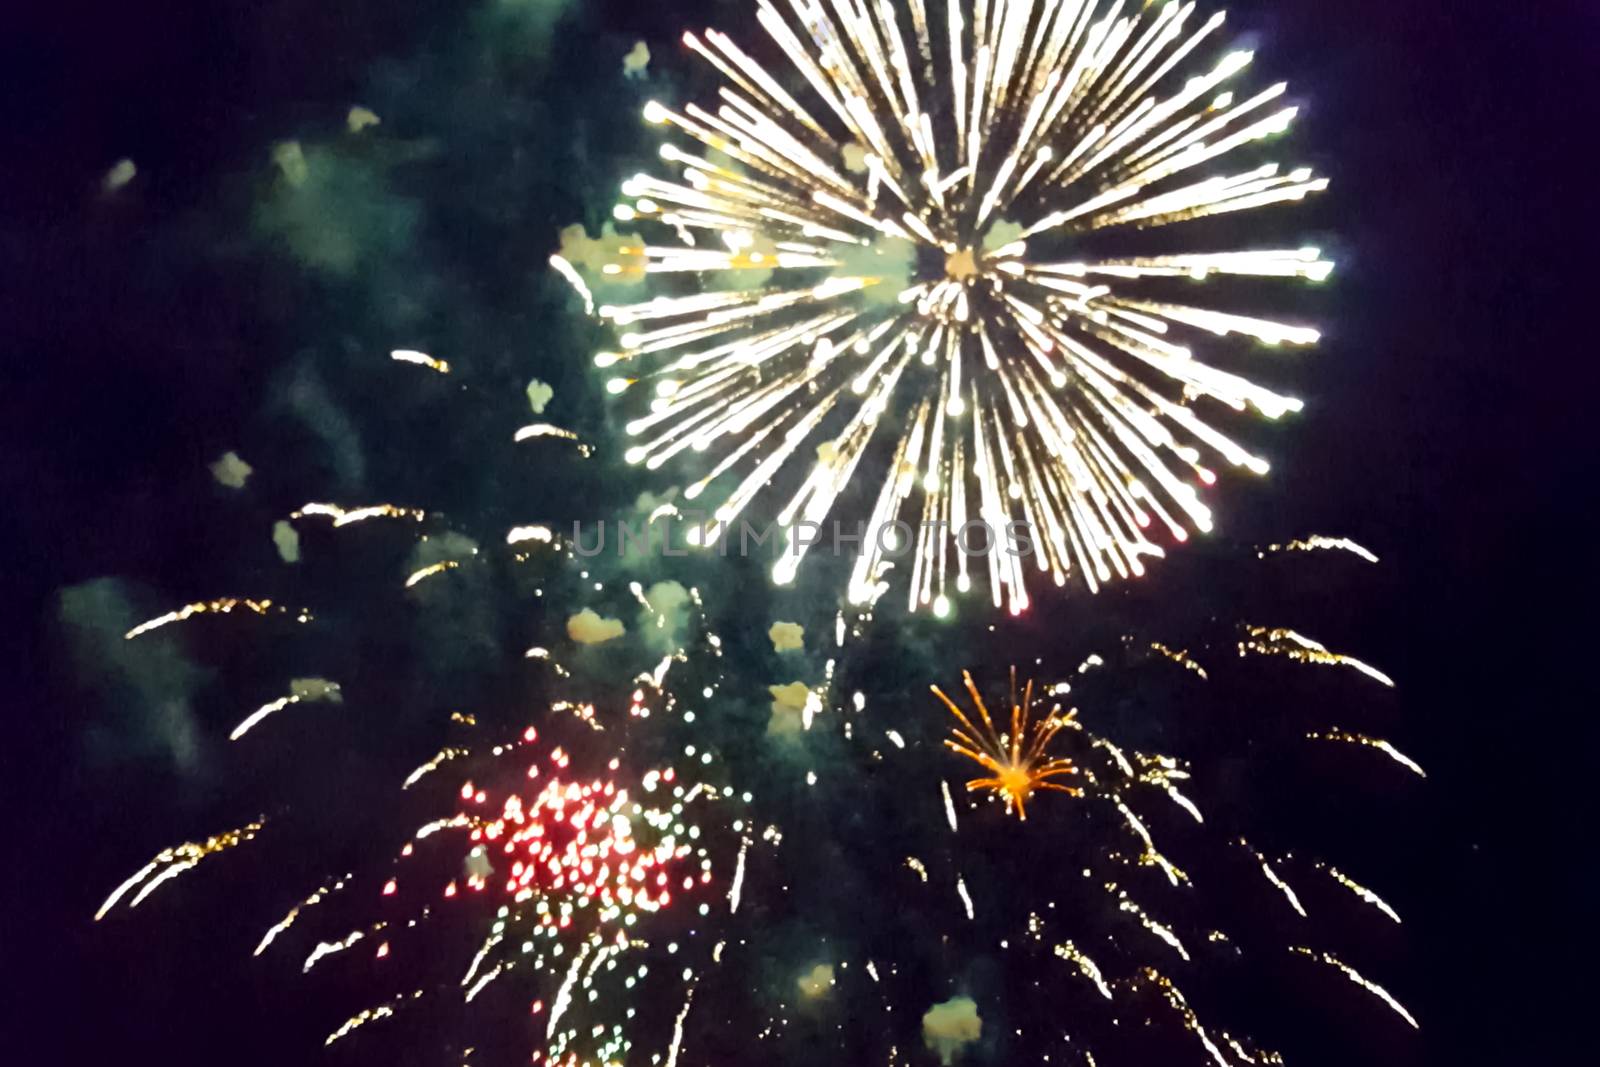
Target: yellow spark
(584, 713)
(1179, 657)
(1175, 998)
(1026, 387)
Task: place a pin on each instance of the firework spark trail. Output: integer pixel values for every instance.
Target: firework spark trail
(738, 878)
(874, 265)
(1181, 658)
(294, 913)
(171, 862)
(570, 273)
(966, 898)
(429, 571)
(220, 606)
(541, 653)
(324, 949)
(1319, 543)
(1374, 743)
(1272, 876)
(677, 1028)
(1160, 930)
(1265, 641)
(345, 517)
(1151, 857)
(1162, 772)
(362, 1018)
(422, 359)
(261, 713)
(1086, 966)
(445, 755)
(1180, 1004)
(518, 534)
(483, 982)
(1359, 890)
(1356, 977)
(301, 691)
(543, 429)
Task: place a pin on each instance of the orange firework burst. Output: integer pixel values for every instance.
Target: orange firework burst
(1018, 758)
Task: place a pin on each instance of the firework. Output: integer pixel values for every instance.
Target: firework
(925, 244)
(583, 884)
(1133, 919)
(585, 881)
(563, 874)
(1018, 758)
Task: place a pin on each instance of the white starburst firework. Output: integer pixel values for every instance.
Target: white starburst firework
(907, 249)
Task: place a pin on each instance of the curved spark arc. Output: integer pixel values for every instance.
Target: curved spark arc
(1024, 387)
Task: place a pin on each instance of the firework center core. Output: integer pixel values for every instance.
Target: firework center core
(1016, 782)
(935, 263)
(962, 265)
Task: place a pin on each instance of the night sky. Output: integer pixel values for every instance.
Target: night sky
(146, 333)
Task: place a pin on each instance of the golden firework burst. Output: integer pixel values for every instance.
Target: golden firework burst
(918, 282)
(1019, 758)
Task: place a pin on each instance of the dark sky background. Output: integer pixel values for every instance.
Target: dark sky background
(1450, 429)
